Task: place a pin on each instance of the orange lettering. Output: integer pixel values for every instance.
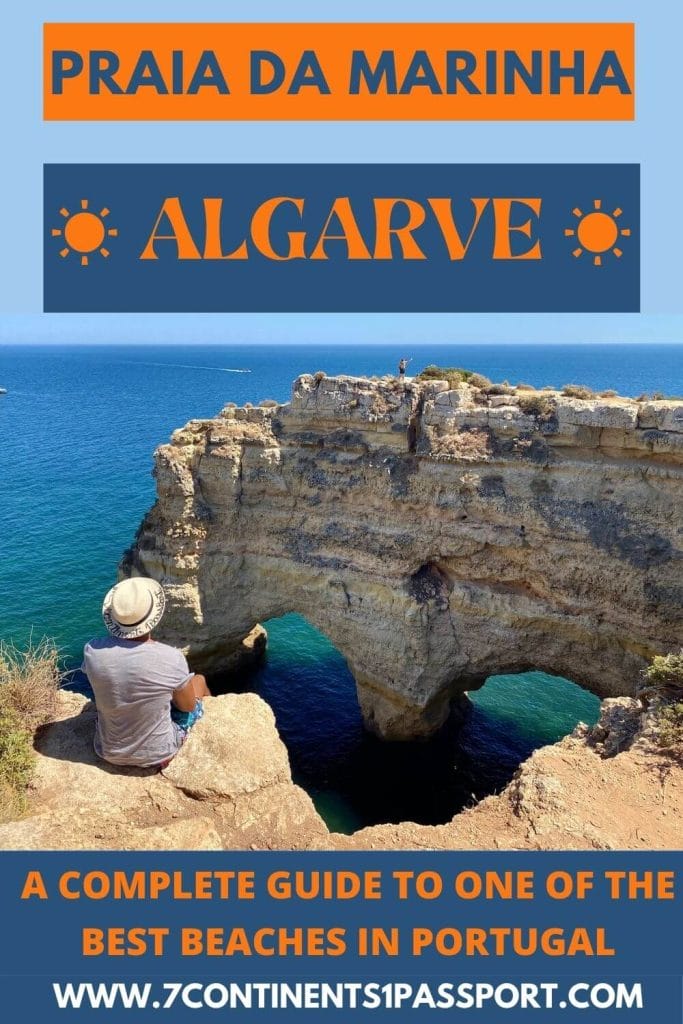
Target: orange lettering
(260, 230)
(502, 246)
(187, 250)
(384, 209)
(356, 247)
(443, 211)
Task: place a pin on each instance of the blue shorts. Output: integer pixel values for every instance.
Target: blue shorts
(186, 719)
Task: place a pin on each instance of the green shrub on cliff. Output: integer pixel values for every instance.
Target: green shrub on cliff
(664, 676)
(16, 763)
(671, 727)
(478, 380)
(29, 681)
(453, 374)
(578, 391)
(663, 689)
(537, 405)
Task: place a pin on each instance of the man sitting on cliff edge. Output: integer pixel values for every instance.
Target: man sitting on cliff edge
(147, 698)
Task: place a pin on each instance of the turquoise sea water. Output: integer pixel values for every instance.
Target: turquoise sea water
(77, 431)
(357, 780)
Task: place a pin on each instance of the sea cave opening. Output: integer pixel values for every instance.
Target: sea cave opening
(356, 779)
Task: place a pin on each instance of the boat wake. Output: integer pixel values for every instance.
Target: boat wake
(188, 366)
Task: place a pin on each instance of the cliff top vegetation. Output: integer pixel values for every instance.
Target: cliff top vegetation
(29, 681)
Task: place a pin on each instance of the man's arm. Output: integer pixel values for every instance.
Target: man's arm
(186, 696)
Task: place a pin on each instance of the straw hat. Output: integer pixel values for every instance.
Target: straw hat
(133, 607)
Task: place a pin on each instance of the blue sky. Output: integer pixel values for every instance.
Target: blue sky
(335, 329)
(652, 140)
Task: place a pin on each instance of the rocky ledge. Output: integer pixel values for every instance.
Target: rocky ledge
(230, 787)
(436, 534)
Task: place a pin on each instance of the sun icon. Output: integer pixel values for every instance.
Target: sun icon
(84, 232)
(597, 232)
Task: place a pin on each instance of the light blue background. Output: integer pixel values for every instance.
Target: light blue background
(654, 140)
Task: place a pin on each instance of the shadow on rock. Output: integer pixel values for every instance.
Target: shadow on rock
(71, 739)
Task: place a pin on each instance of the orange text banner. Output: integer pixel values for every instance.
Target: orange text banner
(339, 72)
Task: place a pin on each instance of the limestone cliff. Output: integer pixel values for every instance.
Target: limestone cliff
(436, 535)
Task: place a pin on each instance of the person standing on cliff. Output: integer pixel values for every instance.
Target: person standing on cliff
(147, 698)
(402, 367)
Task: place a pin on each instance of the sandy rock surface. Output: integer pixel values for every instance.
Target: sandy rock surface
(228, 787)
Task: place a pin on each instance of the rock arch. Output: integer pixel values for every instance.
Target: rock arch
(436, 535)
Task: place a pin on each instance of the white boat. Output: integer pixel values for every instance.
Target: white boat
(3, 391)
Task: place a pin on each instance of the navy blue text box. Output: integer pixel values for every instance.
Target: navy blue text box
(581, 219)
(41, 938)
